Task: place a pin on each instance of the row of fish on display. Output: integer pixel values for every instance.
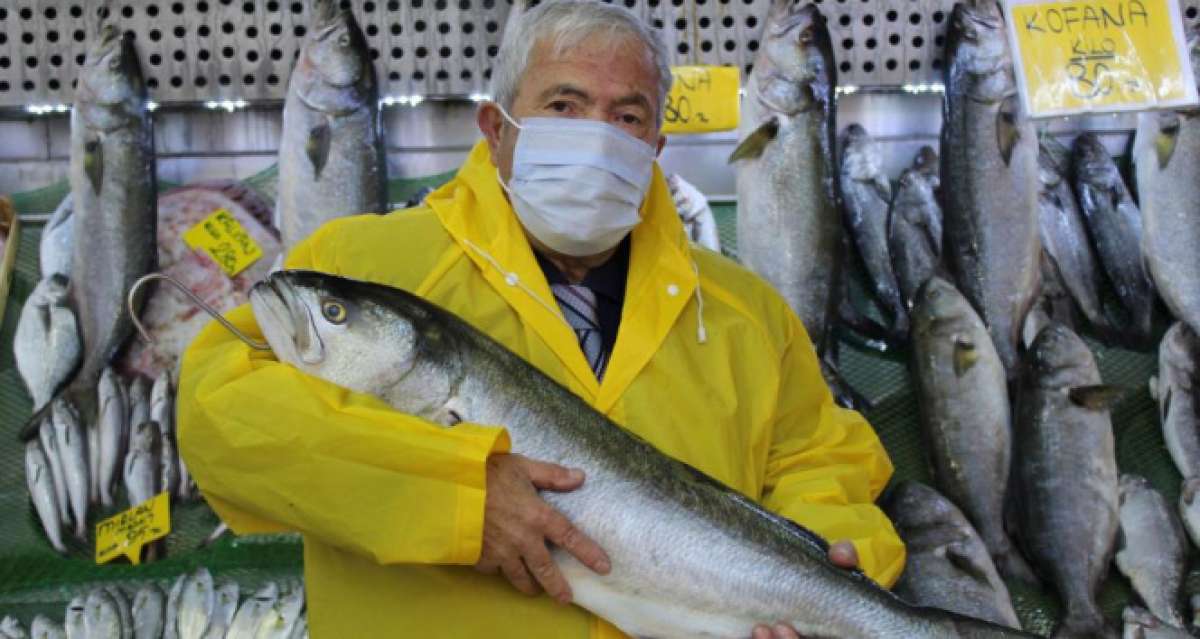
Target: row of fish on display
(983, 260)
(195, 607)
(73, 470)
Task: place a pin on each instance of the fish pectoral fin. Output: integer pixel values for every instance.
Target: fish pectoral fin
(965, 355)
(755, 143)
(317, 148)
(1167, 138)
(1095, 397)
(93, 162)
(1007, 133)
(958, 553)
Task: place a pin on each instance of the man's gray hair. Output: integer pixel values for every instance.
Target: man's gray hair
(566, 23)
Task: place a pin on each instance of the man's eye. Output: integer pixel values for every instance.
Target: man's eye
(630, 118)
(560, 107)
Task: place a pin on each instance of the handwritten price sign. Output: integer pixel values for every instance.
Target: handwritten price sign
(1081, 56)
(124, 534)
(225, 240)
(702, 99)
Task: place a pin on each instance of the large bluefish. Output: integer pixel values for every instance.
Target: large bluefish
(722, 562)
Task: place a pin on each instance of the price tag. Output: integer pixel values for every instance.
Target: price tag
(124, 534)
(1081, 56)
(702, 99)
(224, 239)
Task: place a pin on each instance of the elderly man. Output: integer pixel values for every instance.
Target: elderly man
(557, 238)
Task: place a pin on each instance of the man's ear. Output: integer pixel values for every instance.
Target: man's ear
(662, 141)
(489, 120)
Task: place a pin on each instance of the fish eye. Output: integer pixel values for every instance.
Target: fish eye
(334, 311)
(114, 63)
(344, 40)
(806, 35)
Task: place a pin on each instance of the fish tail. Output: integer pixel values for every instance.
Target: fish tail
(1013, 566)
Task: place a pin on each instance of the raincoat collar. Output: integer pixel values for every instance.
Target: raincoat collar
(662, 275)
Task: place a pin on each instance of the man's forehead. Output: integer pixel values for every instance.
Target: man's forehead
(598, 53)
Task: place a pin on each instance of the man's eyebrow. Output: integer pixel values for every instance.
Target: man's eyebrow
(634, 99)
(565, 89)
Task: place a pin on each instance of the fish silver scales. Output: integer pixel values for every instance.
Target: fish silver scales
(71, 440)
(915, 226)
(1166, 155)
(113, 433)
(54, 249)
(331, 157)
(148, 610)
(1151, 548)
(41, 491)
(789, 229)
(965, 416)
(112, 177)
(1065, 243)
(46, 346)
(989, 177)
(948, 566)
(1115, 226)
(866, 195)
(1176, 391)
(722, 562)
(1065, 475)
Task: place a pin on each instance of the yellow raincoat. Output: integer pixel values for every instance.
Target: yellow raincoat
(391, 506)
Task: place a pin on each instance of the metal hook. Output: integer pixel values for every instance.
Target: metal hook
(137, 286)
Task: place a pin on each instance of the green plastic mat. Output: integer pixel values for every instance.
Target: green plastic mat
(34, 580)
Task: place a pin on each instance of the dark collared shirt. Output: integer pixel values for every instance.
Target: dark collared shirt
(607, 281)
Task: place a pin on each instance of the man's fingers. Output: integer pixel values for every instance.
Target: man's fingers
(784, 631)
(562, 533)
(519, 577)
(547, 476)
(546, 572)
(843, 555)
(761, 632)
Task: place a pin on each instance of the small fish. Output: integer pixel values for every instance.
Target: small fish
(113, 430)
(46, 628)
(141, 470)
(139, 400)
(171, 614)
(225, 607)
(11, 628)
(46, 346)
(93, 448)
(1176, 390)
(50, 447)
(300, 630)
(74, 624)
(196, 604)
(162, 412)
(915, 226)
(102, 618)
(286, 614)
(72, 449)
(41, 491)
(1151, 548)
(149, 604)
(124, 613)
(255, 612)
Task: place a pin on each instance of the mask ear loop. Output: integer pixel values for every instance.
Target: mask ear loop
(145, 334)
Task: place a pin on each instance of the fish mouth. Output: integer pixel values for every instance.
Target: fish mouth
(285, 321)
(796, 16)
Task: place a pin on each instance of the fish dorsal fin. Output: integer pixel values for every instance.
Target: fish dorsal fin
(1007, 132)
(317, 148)
(755, 143)
(93, 162)
(958, 553)
(965, 355)
(1167, 138)
(1095, 397)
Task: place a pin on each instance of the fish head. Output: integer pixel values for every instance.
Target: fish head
(1130, 485)
(1054, 160)
(940, 309)
(796, 43)
(334, 73)
(111, 78)
(977, 50)
(1058, 358)
(1178, 355)
(926, 161)
(365, 337)
(914, 506)
(1093, 164)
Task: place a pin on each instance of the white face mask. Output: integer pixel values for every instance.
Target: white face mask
(577, 185)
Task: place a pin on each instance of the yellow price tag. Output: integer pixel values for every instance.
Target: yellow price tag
(224, 239)
(124, 534)
(702, 99)
(1081, 56)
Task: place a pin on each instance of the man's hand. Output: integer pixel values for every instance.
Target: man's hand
(517, 523)
(842, 555)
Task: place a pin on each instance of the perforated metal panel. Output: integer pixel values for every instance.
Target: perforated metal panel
(198, 50)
